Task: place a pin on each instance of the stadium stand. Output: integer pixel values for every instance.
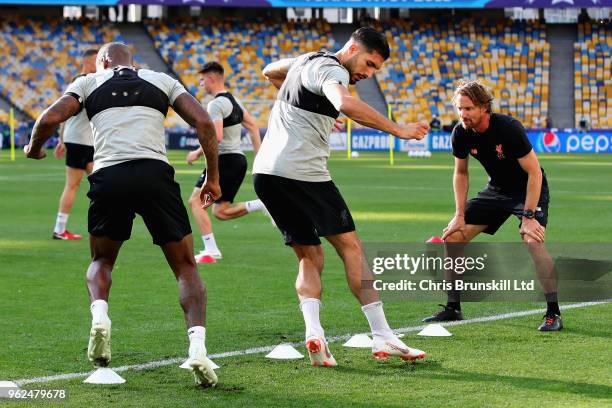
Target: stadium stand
(243, 47)
(511, 57)
(593, 75)
(42, 56)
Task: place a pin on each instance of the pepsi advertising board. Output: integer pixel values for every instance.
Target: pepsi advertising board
(547, 141)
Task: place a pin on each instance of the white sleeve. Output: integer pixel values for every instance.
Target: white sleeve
(316, 76)
(219, 108)
(78, 89)
(175, 89)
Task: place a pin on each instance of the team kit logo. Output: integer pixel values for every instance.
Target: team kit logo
(500, 152)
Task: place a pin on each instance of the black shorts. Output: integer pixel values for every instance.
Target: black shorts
(78, 156)
(491, 207)
(303, 210)
(144, 187)
(232, 168)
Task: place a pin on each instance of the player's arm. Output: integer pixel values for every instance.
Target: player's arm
(461, 185)
(218, 129)
(248, 121)
(47, 122)
(530, 164)
(195, 115)
(364, 114)
(276, 72)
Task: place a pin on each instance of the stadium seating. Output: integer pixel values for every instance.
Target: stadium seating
(40, 57)
(593, 75)
(243, 47)
(511, 58)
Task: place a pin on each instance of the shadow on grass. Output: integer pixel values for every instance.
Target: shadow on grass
(533, 383)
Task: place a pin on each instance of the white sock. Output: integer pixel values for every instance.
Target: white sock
(60, 223)
(254, 205)
(310, 309)
(196, 333)
(99, 309)
(210, 245)
(378, 322)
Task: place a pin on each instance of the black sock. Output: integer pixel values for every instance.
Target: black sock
(552, 306)
(453, 299)
(454, 305)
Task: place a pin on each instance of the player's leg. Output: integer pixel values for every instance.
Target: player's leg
(79, 160)
(454, 248)
(309, 290)
(545, 271)
(109, 221)
(104, 253)
(166, 219)
(192, 293)
(205, 227)
(360, 278)
(286, 200)
(232, 169)
(71, 186)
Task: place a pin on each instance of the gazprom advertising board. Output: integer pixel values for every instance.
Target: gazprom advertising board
(547, 141)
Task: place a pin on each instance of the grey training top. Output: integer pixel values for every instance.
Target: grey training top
(296, 145)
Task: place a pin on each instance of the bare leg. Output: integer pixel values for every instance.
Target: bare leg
(453, 248)
(543, 264)
(73, 181)
(192, 292)
(348, 246)
(200, 214)
(310, 267)
(104, 253)
(224, 210)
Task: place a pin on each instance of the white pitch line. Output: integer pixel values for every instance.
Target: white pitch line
(257, 350)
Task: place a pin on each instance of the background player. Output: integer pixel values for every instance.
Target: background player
(77, 143)
(229, 116)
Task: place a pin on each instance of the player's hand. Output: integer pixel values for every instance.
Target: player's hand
(413, 131)
(456, 224)
(60, 149)
(339, 124)
(30, 154)
(210, 192)
(532, 228)
(193, 156)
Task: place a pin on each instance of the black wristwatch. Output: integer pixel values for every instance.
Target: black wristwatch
(529, 214)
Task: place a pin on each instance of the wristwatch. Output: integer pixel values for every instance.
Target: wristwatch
(530, 214)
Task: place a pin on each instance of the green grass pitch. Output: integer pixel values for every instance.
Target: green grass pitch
(44, 314)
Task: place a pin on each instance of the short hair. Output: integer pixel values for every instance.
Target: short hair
(372, 40)
(478, 94)
(212, 66)
(114, 51)
(89, 52)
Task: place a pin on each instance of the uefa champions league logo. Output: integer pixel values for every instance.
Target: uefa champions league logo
(549, 142)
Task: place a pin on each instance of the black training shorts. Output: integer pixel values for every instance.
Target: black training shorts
(303, 210)
(78, 156)
(492, 207)
(232, 169)
(144, 187)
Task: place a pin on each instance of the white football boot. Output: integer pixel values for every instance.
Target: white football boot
(383, 348)
(99, 349)
(319, 353)
(200, 365)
